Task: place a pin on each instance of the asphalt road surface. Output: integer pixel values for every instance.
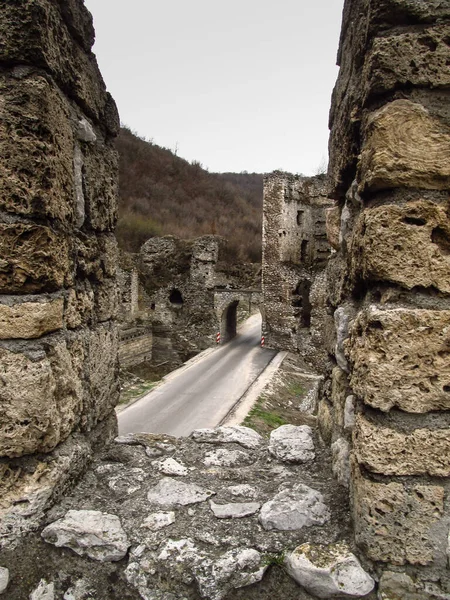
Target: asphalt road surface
(202, 394)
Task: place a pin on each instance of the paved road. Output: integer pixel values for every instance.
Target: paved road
(202, 394)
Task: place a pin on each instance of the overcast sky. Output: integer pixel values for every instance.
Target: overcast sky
(236, 84)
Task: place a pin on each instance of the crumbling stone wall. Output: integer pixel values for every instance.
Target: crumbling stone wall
(135, 333)
(58, 300)
(295, 251)
(179, 279)
(388, 396)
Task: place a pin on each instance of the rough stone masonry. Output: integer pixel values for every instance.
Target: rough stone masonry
(58, 204)
(295, 253)
(389, 288)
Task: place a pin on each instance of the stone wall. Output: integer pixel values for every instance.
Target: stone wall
(58, 202)
(178, 283)
(295, 251)
(388, 398)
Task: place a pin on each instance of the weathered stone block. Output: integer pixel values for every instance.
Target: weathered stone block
(35, 33)
(408, 245)
(97, 256)
(31, 319)
(401, 358)
(106, 300)
(408, 58)
(79, 307)
(389, 452)
(41, 398)
(33, 259)
(102, 390)
(100, 166)
(36, 145)
(404, 147)
(394, 524)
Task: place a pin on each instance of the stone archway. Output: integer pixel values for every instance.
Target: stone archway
(228, 323)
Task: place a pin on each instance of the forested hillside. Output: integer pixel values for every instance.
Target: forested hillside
(161, 194)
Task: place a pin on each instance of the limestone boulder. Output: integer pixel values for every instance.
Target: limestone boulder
(329, 571)
(294, 508)
(235, 434)
(292, 443)
(170, 492)
(398, 525)
(89, 533)
(405, 146)
(401, 359)
(33, 259)
(388, 451)
(31, 319)
(407, 245)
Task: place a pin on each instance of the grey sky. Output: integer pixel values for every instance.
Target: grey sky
(236, 85)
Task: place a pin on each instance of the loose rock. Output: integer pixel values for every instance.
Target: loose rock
(294, 508)
(44, 591)
(237, 434)
(234, 510)
(169, 492)
(170, 466)
(292, 444)
(329, 571)
(89, 532)
(159, 520)
(4, 579)
(226, 458)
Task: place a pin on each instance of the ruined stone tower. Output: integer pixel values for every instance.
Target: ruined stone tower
(389, 286)
(295, 252)
(58, 201)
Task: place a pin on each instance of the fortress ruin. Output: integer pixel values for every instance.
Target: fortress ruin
(151, 516)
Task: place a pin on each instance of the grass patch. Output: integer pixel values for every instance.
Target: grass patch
(136, 390)
(274, 559)
(296, 390)
(258, 416)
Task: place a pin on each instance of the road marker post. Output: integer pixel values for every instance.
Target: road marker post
(263, 341)
(218, 337)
